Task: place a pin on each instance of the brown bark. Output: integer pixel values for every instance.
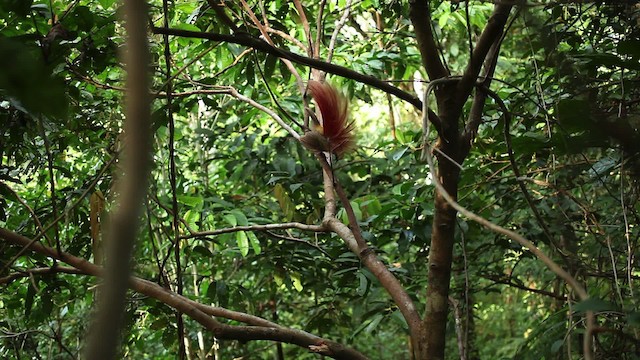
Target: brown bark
(104, 332)
(261, 329)
(432, 344)
(453, 145)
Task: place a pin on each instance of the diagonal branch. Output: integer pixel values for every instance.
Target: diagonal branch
(305, 26)
(420, 15)
(490, 35)
(262, 329)
(265, 34)
(352, 236)
(261, 45)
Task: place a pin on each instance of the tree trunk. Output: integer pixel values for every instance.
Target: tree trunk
(440, 257)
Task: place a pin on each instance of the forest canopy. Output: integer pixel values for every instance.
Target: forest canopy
(373, 179)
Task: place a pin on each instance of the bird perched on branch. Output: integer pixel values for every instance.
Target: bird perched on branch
(331, 133)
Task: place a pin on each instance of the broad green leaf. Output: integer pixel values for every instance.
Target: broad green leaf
(169, 338)
(399, 153)
(557, 345)
(232, 220)
(211, 292)
(27, 83)
(575, 114)
(189, 27)
(373, 325)
(192, 218)
(362, 284)
(630, 47)
(28, 301)
(297, 284)
(255, 243)
(193, 201)
(202, 251)
(243, 243)
(241, 219)
(159, 324)
(222, 293)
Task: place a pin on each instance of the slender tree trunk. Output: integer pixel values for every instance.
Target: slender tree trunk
(440, 259)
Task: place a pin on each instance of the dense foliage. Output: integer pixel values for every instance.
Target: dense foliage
(567, 73)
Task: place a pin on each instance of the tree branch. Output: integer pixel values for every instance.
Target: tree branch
(263, 329)
(490, 35)
(261, 45)
(266, 227)
(357, 244)
(104, 331)
(420, 16)
(551, 265)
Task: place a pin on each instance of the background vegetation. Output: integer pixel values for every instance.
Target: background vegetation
(567, 73)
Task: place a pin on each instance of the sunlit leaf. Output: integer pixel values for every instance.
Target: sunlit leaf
(243, 243)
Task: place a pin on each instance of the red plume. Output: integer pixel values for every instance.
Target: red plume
(333, 133)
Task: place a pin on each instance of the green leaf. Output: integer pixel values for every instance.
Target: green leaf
(297, 284)
(363, 284)
(373, 325)
(192, 217)
(20, 7)
(286, 205)
(28, 300)
(169, 338)
(186, 7)
(189, 27)
(231, 219)
(594, 304)
(106, 3)
(270, 66)
(629, 47)
(193, 201)
(202, 251)
(159, 324)
(397, 155)
(28, 83)
(243, 243)
(241, 219)
(633, 319)
(222, 293)
(444, 18)
(81, 18)
(5, 191)
(255, 243)
(212, 292)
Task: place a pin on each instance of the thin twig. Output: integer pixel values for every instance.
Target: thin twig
(65, 213)
(52, 182)
(339, 25)
(296, 240)
(268, 39)
(233, 92)
(266, 227)
(172, 174)
(35, 217)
